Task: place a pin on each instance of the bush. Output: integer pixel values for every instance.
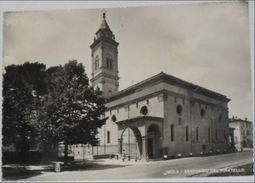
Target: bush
(15, 157)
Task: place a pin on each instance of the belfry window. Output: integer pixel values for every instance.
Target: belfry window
(109, 63)
(114, 118)
(96, 63)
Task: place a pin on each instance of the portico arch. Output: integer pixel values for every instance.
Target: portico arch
(141, 128)
(131, 142)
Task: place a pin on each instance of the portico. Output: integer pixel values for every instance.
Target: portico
(146, 137)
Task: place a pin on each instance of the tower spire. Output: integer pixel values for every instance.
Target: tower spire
(104, 24)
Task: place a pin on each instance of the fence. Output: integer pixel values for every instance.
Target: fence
(105, 149)
(130, 149)
(82, 151)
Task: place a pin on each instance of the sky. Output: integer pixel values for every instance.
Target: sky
(206, 44)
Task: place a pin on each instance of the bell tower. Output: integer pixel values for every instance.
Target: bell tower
(104, 52)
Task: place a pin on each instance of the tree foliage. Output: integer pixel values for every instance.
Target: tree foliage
(22, 86)
(50, 106)
(72, 110)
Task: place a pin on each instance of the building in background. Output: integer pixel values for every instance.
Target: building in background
(232, 139)
(243, 133)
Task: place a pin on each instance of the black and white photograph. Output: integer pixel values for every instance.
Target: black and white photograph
(123, 93)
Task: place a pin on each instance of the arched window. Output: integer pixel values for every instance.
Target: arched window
(209, 134)
(202, 113)
(96, 63)
(216, 134)
(108, 137)
(179, 109)
(172, 132)
(197, 134)
(109, 64)
(187, 133)
(220, 117)
(179, 121)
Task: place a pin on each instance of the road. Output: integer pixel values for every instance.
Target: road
(192, 166)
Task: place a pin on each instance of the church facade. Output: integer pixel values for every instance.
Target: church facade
(162, 116)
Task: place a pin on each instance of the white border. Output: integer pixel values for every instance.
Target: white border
(62, 5)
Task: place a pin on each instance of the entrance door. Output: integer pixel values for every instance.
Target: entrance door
(153, 141)
(150, 147)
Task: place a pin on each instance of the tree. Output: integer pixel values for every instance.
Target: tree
(22, 86)
(72, 111)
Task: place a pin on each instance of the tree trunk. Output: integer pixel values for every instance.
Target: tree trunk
(66, 153)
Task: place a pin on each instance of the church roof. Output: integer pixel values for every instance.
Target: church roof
(163, 77)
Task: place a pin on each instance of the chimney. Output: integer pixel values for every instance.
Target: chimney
(245, 118)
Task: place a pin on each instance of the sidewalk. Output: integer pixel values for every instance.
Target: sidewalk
(120, 162)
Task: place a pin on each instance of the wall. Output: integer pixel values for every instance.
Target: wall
(162, 100)
(128, 111)
(191, 117)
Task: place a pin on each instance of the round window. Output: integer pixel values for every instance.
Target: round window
(179, 110)
(114, 119)
(144, 110)
(202, 113)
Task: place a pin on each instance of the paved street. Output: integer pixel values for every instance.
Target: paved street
(155, 169)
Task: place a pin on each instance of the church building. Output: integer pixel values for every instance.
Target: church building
(162, 116)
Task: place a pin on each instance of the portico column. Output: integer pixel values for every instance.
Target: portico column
(145, 154)
(120, 145)
(137, 149)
